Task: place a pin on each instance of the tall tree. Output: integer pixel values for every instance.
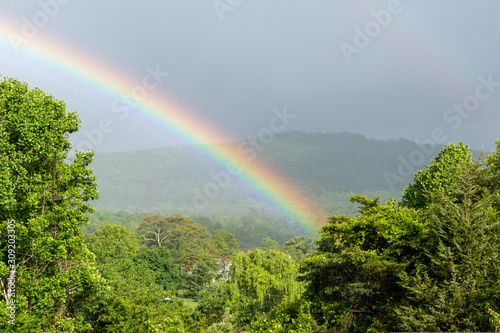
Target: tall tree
(160, 262)
(440, 176)
(45, 194)
(456, 276)
(352, 277)
(225, 242)
(156, 230)
(187, 242)
(200, 276)
(299, 247)
(269, 244)
(429, 263)
(113, 241)
(133, 299)
(491, 174)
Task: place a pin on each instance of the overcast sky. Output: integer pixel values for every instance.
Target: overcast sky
(384, 69)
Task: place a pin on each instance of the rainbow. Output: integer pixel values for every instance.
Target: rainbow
(174, 119)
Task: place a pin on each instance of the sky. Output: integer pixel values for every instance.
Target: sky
(422, 70)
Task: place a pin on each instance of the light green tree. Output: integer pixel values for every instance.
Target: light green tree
(46, 195)
(133, 299)
(439, 176)
(188, 242)
(157, 230)
(113, 241)
(269, 244)
(299, 247)
(267, 277)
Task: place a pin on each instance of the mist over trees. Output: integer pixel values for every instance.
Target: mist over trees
(327, 167)
(428, 262)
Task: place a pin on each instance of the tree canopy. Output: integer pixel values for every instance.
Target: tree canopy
(46, 195)
(440, 176)
(428, 263)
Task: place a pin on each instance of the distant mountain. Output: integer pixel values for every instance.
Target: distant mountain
(325, 166)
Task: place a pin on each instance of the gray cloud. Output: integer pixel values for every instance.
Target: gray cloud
(270, 54)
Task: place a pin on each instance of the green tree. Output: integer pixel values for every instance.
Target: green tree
(113, 241)
(490, 175)
(456, 275)
(197, 279)
(191, 244)
(157, 229)
(267, 277)
(45, 194)
(440, 176)
(225, 242)
(299, 247)
(269, 244)
(427, 264)
(352, 277)
(160, 262)
(294, 317)
(225, 326)
(132, 299)
(186, 241)
(212, 304)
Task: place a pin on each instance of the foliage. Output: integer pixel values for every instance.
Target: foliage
(494, 319)
(157, 229)
(269, 244)
(489, 177)
(267, 277)
(226, 325)
(197, 279)
(212, 305)
(457, 270)
(190, 243)
(243, 308)
(45, 194)
(429, 263)
(187, 242)
(132, 299)
(160, 263)
(299, 247)
(294, 317)
(225, 242)
(440, 176)
(112, 242)
(101, 217)
(352, 276)
(250, 228)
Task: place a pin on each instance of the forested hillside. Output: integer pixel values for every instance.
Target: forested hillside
(250, 228)
(327, 166)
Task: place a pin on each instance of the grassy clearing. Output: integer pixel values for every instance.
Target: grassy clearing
(189, 302)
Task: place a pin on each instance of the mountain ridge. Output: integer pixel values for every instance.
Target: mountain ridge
(325, 166)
